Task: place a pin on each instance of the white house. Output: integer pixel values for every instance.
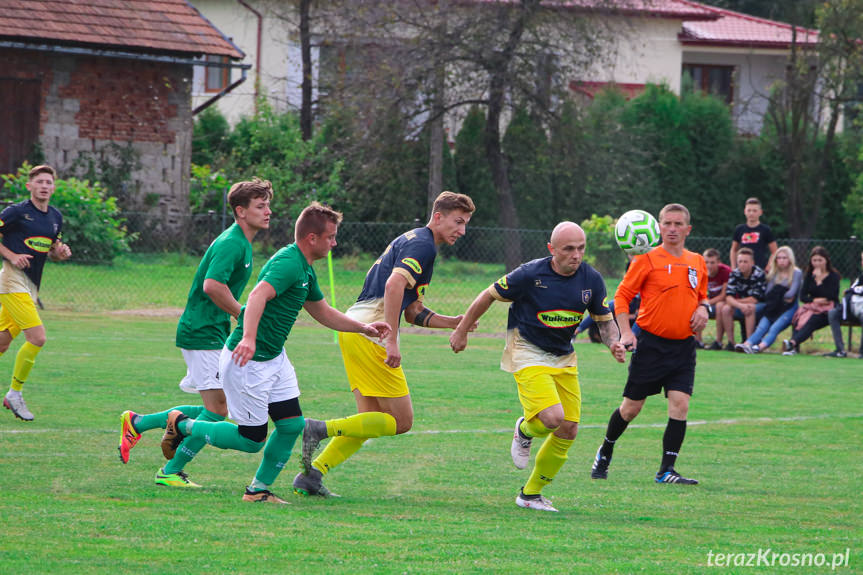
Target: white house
(732, 55)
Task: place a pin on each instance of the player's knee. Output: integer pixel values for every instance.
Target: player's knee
(567, 430)
(38, 339)
(629, 412)
(291, 425)
(551, 420)
(255, 433)
(404, 424)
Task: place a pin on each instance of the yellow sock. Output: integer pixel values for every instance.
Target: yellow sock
(364, 425)
(23, 364)
(336, 452)
(534, 428)
(549, 460)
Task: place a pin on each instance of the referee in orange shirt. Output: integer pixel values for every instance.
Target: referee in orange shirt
(673, 285)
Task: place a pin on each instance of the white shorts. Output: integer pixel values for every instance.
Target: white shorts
(250, 389)
(202, 370)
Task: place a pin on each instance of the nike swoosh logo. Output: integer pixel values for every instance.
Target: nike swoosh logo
(248, 264)
(305, 284)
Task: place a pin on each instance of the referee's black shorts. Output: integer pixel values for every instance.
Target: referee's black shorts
(659, 363)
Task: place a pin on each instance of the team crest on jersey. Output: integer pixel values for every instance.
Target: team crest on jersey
(413, 264)
(502, 283)
(693, 278)
(2, 223)
(585, 296)
(39, 244)
(559, 318)
(750, 238)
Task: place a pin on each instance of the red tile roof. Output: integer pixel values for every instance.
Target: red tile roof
(671, 9)
(736, 29)
(160, 26)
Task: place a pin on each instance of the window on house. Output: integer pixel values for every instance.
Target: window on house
(715, 80)
(217, 78)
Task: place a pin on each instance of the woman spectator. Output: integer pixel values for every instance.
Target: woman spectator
(819, 294)
(783, 285)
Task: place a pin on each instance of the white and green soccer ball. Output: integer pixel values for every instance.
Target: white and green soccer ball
(637, 232)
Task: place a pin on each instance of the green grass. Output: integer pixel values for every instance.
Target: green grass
(775, 441)
(159, 281)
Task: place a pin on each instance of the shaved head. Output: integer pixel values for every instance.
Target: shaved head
(566, 246)
(564, 231)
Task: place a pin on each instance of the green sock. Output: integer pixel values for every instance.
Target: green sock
(278, 449)
(221, 434)
(190, 446)
(150, 421)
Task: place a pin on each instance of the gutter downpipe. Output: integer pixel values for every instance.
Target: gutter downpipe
(260, 18)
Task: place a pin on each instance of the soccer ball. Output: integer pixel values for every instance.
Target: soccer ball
(637, 232)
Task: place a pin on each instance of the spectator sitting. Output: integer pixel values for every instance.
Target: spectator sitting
(851, 308)
(780, 301)
(743, 295)
(819, 294)
(717, 277)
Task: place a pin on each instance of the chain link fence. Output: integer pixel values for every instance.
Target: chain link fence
(157, 274)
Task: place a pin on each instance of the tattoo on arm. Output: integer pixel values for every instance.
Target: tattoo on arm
(423, 318)
(608, 332)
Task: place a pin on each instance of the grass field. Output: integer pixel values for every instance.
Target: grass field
(775, 441)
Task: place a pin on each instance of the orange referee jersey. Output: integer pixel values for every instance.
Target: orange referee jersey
(670, 287)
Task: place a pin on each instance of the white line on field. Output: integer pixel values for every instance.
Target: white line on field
(734, 421)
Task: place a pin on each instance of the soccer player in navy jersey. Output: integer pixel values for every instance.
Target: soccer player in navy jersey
(395, 284)
(549, 298)
(31, 233)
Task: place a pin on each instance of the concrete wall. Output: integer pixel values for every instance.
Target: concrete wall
(90, 102)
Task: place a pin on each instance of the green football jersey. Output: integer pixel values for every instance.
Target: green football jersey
(228, 260)
(295, 282)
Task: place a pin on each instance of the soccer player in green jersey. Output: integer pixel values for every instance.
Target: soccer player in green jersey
(205, 324)
(259, 380)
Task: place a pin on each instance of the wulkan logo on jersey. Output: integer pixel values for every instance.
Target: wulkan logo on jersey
(39, 244)
(559, 318)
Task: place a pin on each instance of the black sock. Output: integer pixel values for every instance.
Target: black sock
(616, 427)
(675, 431)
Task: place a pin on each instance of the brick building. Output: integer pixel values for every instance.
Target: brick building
(84, 78)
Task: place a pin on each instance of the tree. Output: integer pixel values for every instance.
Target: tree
(805, 108)
(423, 59)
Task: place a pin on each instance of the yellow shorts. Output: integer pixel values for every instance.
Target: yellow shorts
(367, 372)
(18, 312)
(542, 387)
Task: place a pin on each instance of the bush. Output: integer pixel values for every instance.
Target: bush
(91, 225)
(602, 251)
(270, 146)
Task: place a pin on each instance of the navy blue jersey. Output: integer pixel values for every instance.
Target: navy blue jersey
(28, 230)
(547, 307)
(412, 255)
